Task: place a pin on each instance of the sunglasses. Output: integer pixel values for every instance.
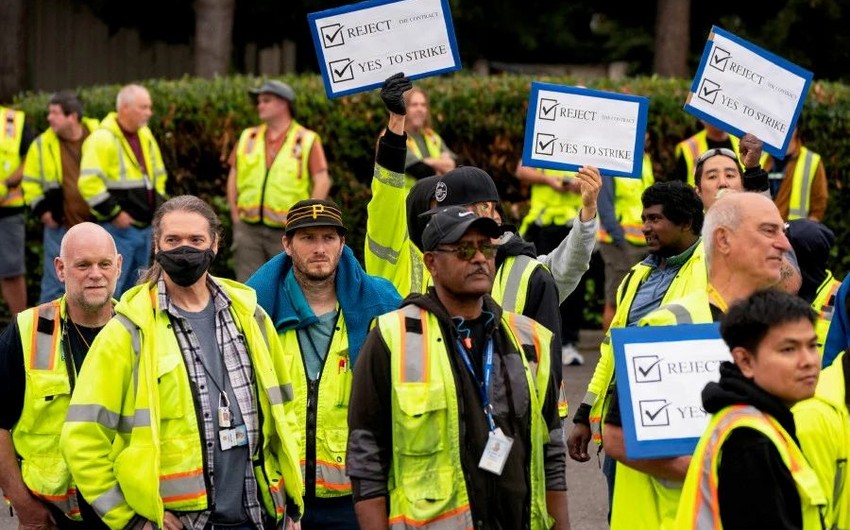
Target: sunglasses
(467, 251)
(717, 151)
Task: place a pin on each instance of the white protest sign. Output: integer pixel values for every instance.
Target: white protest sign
(360, 45)
(570, 127)
(742, 88)
(661, 372)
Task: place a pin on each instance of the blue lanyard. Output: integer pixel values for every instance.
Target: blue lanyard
(483, 387)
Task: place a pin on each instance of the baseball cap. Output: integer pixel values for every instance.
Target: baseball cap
(314, 212)
(449, 224)
(465, 185)
(278, 88)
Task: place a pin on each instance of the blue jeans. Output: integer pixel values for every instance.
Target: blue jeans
(51, 287)
(134, 244)
(329, 514)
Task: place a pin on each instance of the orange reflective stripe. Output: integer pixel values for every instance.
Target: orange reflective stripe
(460, 517)
(277, 496)
(182, 486)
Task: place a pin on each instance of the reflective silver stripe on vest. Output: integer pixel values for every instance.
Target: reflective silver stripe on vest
(280, 394)
(705, 515)
(803, 210)
(390, 178)
(111, 499)
(415, 346)
(122, 164)
(108, 419)
(44, 341)
(509, 295)
(683, 316)
(182, 486)
(416, 270)
(332, 477)
(136, 341)
(382, 252)
(589, 398)
(260, 317)
(460, 519)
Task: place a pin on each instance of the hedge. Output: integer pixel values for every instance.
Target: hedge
(198, 121)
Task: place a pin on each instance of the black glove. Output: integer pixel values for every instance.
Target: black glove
(392, 92)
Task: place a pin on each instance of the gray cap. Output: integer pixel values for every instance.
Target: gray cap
(278, 88)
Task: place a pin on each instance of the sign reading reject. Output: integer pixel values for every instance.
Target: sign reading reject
(571, 127)
(661, 372)
(742, 88)
(362, 44)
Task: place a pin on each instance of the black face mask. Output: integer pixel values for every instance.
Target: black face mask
(185, 265)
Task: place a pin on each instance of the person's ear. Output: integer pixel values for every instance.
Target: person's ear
(59, 267)
(430, 259)
(287, 245)
(745, 360)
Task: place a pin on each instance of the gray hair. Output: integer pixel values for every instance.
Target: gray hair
(128, 94)
(725, 213)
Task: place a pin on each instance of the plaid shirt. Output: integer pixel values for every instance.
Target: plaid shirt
(238, 367)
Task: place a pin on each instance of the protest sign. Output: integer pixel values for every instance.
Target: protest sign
(360, 45)
(661, 372)
(742, 88)
(569, 127)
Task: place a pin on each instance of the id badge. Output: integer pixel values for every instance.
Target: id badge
(240, 435)
(224, 417)
(496, 452)
(227, 437)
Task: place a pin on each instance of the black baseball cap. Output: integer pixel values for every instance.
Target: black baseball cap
(314, 212)
(449, 224)
(465, 185)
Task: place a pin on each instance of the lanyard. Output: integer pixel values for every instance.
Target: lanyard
(483, 386)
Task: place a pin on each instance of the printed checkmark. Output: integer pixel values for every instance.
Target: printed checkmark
(545, 144)
(653, 413)
(708, 91)
(341, 70)
(645, 365)
(332, 35)
(720, 58)
(547, 109)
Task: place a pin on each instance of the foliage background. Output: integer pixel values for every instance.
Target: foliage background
(198, 121)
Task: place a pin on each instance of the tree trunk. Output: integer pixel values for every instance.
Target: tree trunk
(213, 36)
(672, 38)
(13, 48)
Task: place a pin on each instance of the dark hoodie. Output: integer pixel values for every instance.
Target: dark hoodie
(497, 502)
(755, 487)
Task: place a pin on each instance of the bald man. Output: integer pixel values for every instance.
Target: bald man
(41, 353)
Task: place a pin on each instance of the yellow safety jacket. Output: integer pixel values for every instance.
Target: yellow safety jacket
(628, 206)
(264, 196)
(49, 375)
(641, 501)
(10, 155)
(43, 165)
(823, 428)
(331, 409)
(434, 145)
(824, 306)
(550, 207)
(426, 484)
(801, 186)
(699, 507)
(692, 277)
(692, 148)
(132, 439)
(111, 179)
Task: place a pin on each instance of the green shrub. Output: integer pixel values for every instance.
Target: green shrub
(198, 121)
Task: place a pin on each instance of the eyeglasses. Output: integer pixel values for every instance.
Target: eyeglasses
(466, 251)
(717, 151)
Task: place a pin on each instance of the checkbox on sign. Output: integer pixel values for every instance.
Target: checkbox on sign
(647, 368)
(548, 109)
(332, 35)
(708, 91)
(653, 412)
(719, 59)
(544, 144)
(341, 70)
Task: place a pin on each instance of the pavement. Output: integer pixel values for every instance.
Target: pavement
(587, 490)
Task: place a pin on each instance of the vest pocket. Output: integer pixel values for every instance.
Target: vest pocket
(421, 426)
(171, 379)
(46, 389)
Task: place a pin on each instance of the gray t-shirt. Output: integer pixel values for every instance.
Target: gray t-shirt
(315, 341)
(228, 466)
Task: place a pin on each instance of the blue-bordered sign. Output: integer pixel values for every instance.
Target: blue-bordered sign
(360, 45)
(661, 372)
(569, 127)
(742, 88)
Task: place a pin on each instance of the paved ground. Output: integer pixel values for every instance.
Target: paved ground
(588, 494)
